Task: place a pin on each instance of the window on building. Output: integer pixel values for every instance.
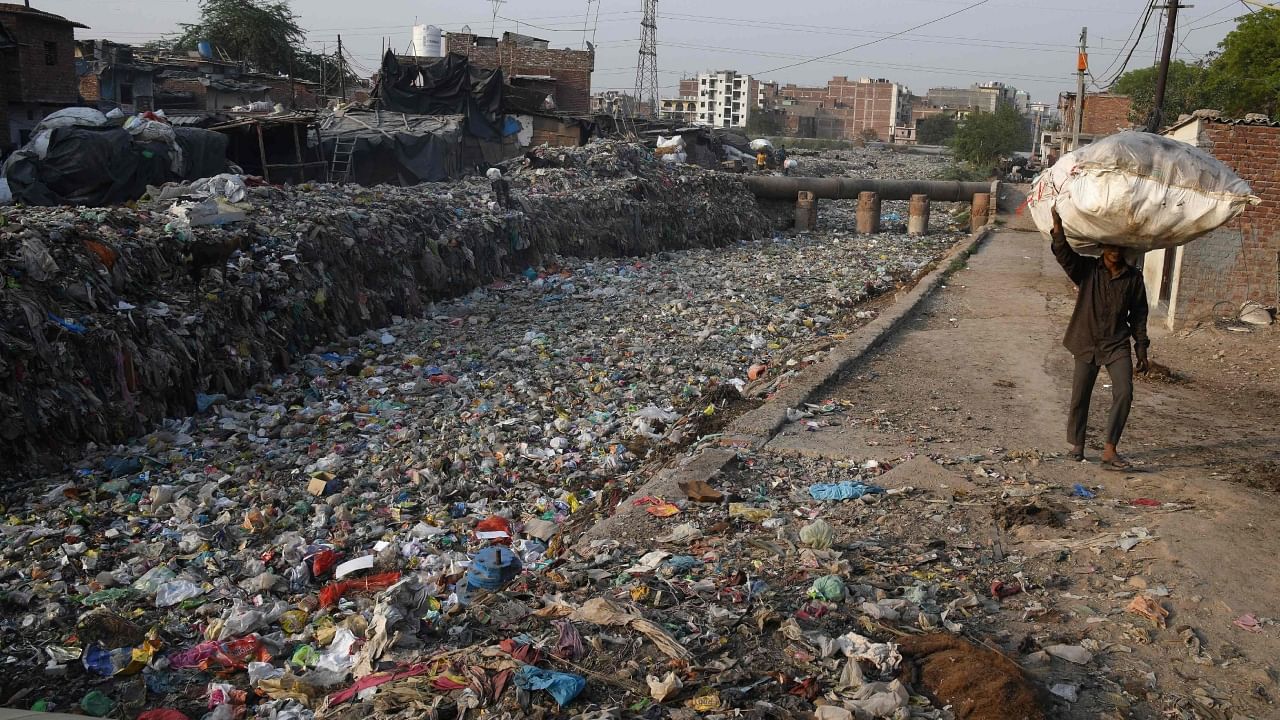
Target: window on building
(735, 119)
(51, 53)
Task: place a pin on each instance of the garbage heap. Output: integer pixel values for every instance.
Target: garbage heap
(113, 318)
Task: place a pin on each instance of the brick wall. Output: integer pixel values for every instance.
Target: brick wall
(1241, 260)
(571, 68)
(90, 88)
(281, 93)
(689, 87)
(39, 81)
(1104, 114)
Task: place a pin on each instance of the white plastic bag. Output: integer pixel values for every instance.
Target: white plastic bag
(760, 143)
(1138, 191)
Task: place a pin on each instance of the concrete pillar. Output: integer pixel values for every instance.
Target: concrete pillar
(918, 215)
(868, 213)
(806, 211)
(978, 213)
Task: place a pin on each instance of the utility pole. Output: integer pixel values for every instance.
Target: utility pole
(342, 70)
(1156, 120)
(1082, 65)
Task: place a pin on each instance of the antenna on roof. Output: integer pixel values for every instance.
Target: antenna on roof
(494, 24)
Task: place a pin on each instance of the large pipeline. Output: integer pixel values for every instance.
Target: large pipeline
(773, 187)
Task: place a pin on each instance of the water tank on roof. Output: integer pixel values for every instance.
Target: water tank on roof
(435, 42)
(427, 41)
(206, 49)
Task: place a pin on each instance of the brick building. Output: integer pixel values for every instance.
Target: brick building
(37, 69)
(523, 57)
(846, 109)
(1104, 114)
(1239, 261)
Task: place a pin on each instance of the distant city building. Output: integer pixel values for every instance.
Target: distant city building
(614, 102)
(847, 109)
(979, 97)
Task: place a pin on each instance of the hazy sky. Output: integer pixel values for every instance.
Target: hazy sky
(1025, 43)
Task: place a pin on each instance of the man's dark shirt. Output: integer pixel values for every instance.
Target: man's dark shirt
(1108, 310)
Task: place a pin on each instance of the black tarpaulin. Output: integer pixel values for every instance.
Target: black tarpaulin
(450, 85)
(106, 166)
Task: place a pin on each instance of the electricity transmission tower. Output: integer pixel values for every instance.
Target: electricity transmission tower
(647, 62)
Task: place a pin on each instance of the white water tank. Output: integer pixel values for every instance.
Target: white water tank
(427, 41)
(435, 42)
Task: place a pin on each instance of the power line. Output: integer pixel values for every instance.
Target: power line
(1145, 21)
(1144, 18)
(895, 66)
(854, 32)
(873, 42)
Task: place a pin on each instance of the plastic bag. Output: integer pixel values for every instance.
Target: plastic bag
(760, 143)
(1139, 191)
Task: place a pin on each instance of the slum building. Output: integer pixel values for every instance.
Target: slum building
(37, 70)
(1239, 261)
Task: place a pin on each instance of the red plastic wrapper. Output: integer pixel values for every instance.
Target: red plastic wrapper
(229, 655)
(162, 714)
(323, 561)
(492, 524)
(330, 594)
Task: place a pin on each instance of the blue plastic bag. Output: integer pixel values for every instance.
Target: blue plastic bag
(564, 687)
(845, 490)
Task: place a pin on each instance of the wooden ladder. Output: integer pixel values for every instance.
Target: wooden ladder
(344, 147)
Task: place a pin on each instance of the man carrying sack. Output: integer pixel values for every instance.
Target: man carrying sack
(1111, 308)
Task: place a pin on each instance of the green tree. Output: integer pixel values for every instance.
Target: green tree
(1185, 91)
(1244, 76)
(936, 130)
(264, 34)
(984, 138)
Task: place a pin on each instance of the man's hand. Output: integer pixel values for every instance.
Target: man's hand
(1143, 364)
(1057, 223)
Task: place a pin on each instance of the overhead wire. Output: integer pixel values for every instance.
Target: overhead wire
(873, 42)
(1137, 41)
(1142, 21)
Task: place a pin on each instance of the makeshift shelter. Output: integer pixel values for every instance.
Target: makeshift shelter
(277, 148)
(450, 85)
(396, 148)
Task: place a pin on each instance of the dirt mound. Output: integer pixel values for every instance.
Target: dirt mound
(978, 683)
(1260, 475)
(1029, 512)
(1163, 374)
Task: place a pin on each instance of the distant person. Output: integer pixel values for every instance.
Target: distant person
(762, 159)
(501, 188)
(781, 155)
(788, 166)
(1111, 308)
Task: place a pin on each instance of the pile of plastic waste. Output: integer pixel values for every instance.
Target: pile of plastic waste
(114, 318)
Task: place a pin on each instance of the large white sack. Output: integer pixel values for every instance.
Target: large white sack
(1139, 191)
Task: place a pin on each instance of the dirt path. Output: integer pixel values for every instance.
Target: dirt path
(979, 373)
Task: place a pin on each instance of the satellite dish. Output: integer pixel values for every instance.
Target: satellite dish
(591, 47)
